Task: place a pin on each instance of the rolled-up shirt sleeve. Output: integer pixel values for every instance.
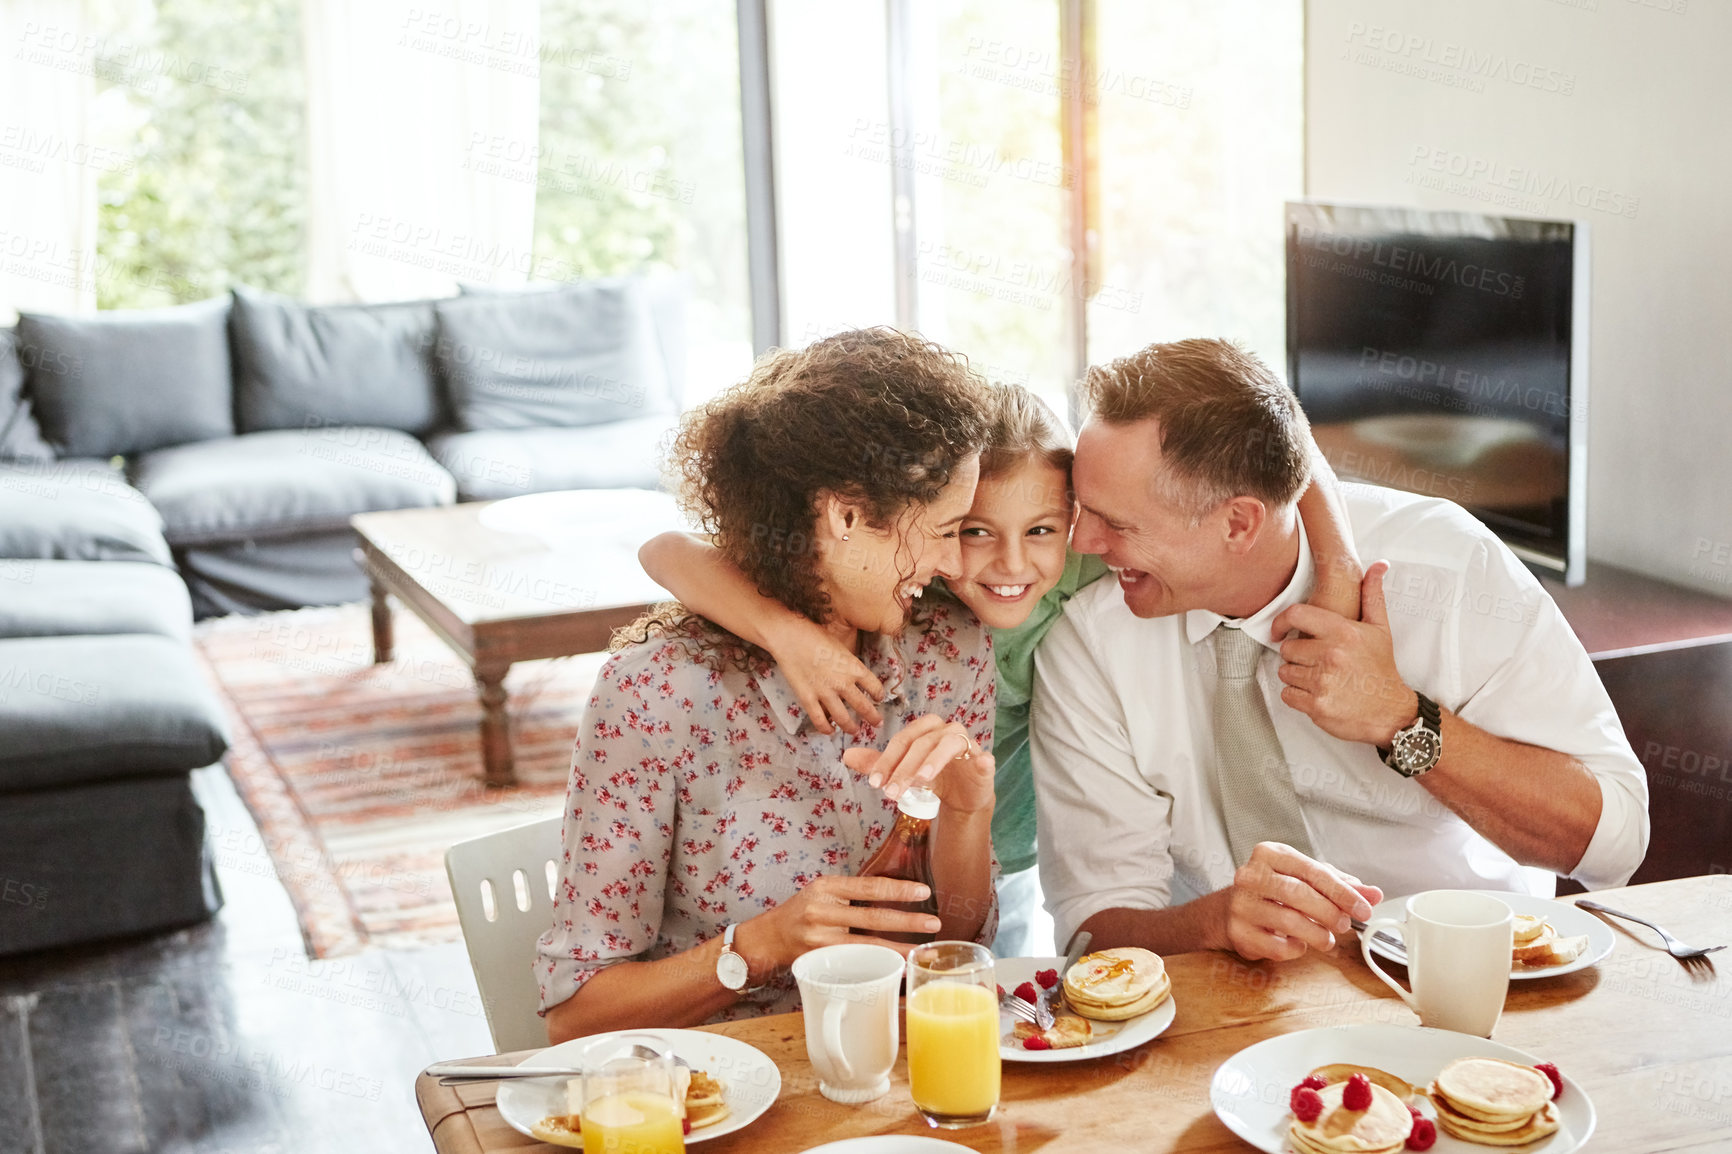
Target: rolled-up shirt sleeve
(1529, 679)
(616, 846)
(1104, 831)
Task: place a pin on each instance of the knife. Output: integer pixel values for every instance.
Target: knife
(1079, 945)
(456, 1070)
(1387, 940)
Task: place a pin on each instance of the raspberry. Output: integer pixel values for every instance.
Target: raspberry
(1047, 979)
(1551, 1071)
(1001, 993)
(1026, 992)
(1036, 1042)
(1424, 1134)
(1357, 1096)
(685, 1125)
(1315, 1082)
(1306, 1103)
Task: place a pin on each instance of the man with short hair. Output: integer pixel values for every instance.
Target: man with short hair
(1219, 765)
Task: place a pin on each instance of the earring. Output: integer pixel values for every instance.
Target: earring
(844, 536)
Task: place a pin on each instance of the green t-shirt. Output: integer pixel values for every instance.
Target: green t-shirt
(1013, 649)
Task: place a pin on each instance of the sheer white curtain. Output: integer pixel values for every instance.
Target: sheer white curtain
(422, 126)
(48, 163)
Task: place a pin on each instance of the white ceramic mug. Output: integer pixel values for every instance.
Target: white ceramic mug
(849, 995)
(1458, 958)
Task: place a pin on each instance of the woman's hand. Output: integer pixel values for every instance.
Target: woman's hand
(827, 679)
(932, 752)
(823, 914)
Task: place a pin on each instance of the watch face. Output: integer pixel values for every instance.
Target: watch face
(1417, 750)
(731, 970)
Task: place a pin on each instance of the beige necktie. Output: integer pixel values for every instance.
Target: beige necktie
(1257, 796)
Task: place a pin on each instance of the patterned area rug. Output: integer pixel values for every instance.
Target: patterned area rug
(361, 776)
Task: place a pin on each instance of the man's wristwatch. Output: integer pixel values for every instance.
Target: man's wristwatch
(731, 968)
(1418, 747)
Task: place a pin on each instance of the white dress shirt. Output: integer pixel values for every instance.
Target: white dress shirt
(1123, 743)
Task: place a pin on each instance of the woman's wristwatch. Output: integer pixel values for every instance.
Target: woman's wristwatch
(731, 968)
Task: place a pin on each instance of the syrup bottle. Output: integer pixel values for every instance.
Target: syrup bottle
(907, 854)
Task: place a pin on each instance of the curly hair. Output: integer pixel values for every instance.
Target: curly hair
(873, 416)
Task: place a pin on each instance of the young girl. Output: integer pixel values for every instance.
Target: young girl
(1017, 574)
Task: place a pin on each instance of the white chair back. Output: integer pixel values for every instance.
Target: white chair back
(503, 884)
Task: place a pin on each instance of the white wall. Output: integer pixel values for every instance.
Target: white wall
(1623, 107)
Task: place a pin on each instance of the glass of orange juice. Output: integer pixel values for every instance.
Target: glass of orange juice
(632, 1103)
(953, 1063)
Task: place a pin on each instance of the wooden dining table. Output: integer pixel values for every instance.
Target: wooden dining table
(1648, 1039)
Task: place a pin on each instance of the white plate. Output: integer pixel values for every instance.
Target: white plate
(1108, 1037)
(888, 1144)
(1567, 920)
(750, 1081)
(1250, 1089)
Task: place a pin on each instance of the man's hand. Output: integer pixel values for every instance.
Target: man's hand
(1282, 903)
(1343, 675)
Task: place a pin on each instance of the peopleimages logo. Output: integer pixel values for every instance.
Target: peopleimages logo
(1402, 259)
(1421, 51)
(1528, 188)
(1468, 385)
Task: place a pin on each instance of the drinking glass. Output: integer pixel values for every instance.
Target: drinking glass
(631, 1101)
(953, 1063)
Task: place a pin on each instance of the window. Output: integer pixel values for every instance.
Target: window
(640, 161)
(199, 107)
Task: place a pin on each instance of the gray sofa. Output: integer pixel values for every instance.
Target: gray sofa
(169, 463)
(104, 712)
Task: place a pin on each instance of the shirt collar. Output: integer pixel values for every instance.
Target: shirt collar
(1199, 623)
(882, 656)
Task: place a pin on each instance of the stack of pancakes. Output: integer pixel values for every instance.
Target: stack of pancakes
(1381, 1128)
(1538, 944)
(704, 1104)
(1112, 985)
(1493, 1102)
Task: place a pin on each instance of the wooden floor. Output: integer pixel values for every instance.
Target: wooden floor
(223, 1038)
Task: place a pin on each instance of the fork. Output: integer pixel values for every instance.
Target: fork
(1017, 1008)
(1691, 956)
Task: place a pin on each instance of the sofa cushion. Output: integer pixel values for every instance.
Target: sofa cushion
(287, 482)
(506, 462)
(666, 291)
(68, 598)
(20, 438)
(96, 708)
(132, 380)
(77, 510)
(581, 355)
(299, 366)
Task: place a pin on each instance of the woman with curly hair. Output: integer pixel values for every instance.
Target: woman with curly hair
(708, 822)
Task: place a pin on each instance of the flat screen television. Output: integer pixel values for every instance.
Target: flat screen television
(1446, 353)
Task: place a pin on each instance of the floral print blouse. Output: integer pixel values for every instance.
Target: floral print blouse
(701, 797)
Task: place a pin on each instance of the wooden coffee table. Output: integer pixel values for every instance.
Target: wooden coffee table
(544, 575)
